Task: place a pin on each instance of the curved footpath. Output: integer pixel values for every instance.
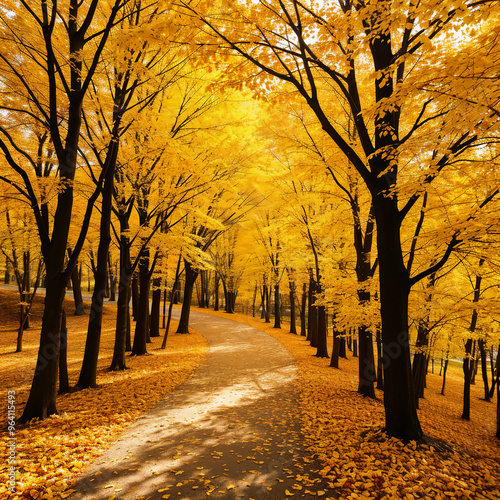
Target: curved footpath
(230, 431)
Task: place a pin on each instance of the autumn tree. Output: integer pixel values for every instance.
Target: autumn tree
(401, 50)
(46, 77)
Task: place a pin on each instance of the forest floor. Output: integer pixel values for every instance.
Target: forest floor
(340, 428)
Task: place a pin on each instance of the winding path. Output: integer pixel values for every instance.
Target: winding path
(230, 431)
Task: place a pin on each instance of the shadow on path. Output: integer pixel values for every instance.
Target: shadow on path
(231, 430)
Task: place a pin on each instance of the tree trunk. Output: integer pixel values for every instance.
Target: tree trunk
(164, 307)
(42, 398)
(88, 373)
(112, 280)
(467, 378)
(254, 300)
(154, 326)
(498, 405)
(63, 356)
(293, 326)
(401, 420)
(26, 290)
(135, 297)
(484, 369)
(216, 292)
(343, 347)
(267, 305)
(76, 284)
(191, 275)
(444, 375)
(473, 365)
(122, 320)
(139, 347)
(303, 331)
(419, 361)
(366, 363)
(322, 338)
(7, 271)
(277, 310)
(468, 367)
(380, 365)
(172, 301)
(334, 361)
(495, 369)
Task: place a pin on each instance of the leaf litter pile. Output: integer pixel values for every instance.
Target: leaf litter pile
(52, 451)
(345, 431)
(340, 427)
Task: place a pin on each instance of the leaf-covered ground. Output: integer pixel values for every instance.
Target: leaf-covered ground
(89, 421)
(344, 430)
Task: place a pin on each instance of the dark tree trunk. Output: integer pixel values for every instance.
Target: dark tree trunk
(473, 365)
(293, 326)
(498, 406)
(322, 346)
(216, 292)
(303, 331)
(277, 310)
(254, 300)
(231, 302)
(263, 302)
(399, 399)
(172, 301)
(420, 361)
(122, 320)
(380, 365)
(267, 305)
(25, 317)
(204, 282)
(76, 284)
(334, 361)
(343, 347)
(467, 378)
(311, 322)
(484, 369)
(164, 307)
(88, 373)
(354, 348)
(366, 360)
(63, 356)
(366, 363)
(468, 367)
(112, 280)
(139, 347)
(444, 375)
(154, 326)
(42, 398)
(7, 271)
(226, 297)
(135, 297)
(495, 369)
(191, 275)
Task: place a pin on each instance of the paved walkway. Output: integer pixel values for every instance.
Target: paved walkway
(230, 431)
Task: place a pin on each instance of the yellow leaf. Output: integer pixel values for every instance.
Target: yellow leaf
(289, 493)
